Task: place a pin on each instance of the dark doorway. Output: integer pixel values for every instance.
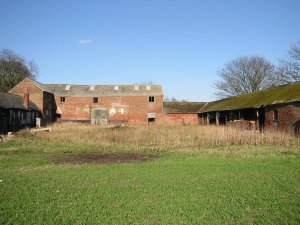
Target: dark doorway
(261, 118)
(151, 120)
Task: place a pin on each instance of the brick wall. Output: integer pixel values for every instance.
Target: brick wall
(288, 115)
(44, 100)
(35, 94)
(179, 118)
(133, 109)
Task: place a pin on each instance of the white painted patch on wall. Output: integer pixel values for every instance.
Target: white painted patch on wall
(112, 111)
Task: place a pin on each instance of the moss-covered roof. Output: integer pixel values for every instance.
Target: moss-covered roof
(281, 94)
(183, 107)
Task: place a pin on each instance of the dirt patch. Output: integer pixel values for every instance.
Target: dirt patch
(100, 158)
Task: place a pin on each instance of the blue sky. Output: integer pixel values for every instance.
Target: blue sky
(179, 44)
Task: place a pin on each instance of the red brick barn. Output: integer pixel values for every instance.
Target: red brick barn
(96, 104)
(40, 95)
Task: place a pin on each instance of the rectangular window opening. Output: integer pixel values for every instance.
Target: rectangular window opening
(95, 100)
(151, 98)
(62, 99)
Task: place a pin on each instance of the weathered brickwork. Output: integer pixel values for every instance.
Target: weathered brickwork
(287, 116)
(44, 100)
(35, 93)
(179, 119)
(120, 109)
(125, 109)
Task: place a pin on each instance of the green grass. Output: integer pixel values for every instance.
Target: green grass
(223, 185)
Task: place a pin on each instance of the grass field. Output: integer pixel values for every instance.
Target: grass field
(201, 175)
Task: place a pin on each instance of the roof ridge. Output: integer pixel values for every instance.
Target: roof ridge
(280, 94)
(108, 84)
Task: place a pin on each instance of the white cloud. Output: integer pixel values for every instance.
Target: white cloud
(84, 41)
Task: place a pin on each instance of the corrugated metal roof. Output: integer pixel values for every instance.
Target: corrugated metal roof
(103, 90)
(183, 107)
(10, 101)
(281, 94)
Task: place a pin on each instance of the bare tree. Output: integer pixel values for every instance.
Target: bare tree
(289, 68)
(14, 68)
(245, 75)
(173, 99)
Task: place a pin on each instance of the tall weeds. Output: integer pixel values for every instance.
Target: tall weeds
(162, 138)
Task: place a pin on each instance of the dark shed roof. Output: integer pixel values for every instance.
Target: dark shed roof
(183, 107)
(281, 94)
(10, 101)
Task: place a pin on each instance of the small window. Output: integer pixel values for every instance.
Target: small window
(275, 115)
(151, 98)
(62, 99)
(151, 120)
(95, 100)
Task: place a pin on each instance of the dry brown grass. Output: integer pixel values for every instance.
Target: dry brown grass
(161, 138)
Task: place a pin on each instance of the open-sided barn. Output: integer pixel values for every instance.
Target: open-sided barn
(276, 108)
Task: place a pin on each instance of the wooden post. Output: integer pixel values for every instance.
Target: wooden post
(217, 118)
(257, 120)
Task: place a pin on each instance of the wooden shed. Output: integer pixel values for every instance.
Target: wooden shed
(17, 112)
